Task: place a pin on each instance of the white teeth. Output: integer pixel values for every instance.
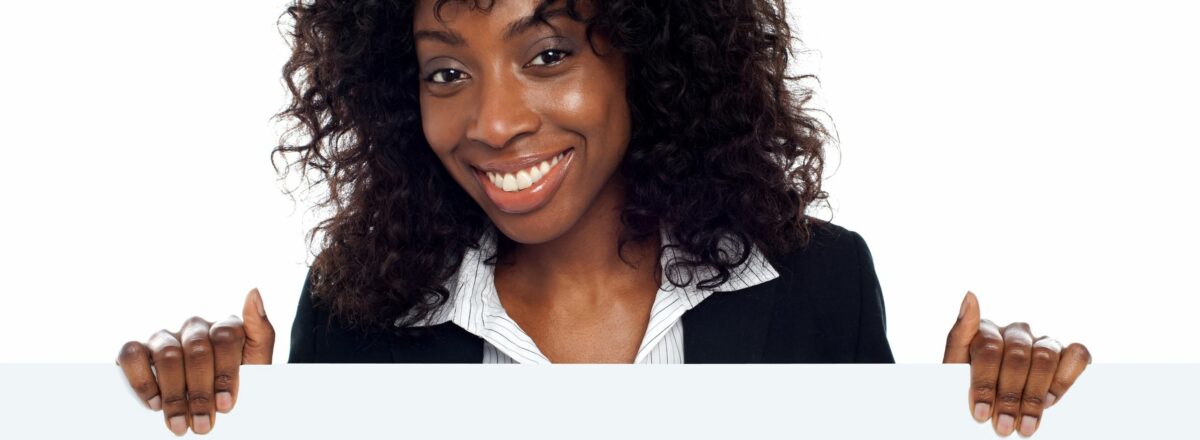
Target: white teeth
(510, 182)
(523, 180)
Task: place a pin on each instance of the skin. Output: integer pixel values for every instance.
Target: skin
(510, 98)
(1014, 375)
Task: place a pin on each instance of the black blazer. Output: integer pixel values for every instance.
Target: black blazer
(825, 307)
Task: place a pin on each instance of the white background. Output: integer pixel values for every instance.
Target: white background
(1037, 153)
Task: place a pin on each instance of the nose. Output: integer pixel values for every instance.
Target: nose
(502, 113)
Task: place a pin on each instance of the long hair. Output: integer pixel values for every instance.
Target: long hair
(721, 145)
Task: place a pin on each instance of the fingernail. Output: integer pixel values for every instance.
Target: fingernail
(1028, 424)
(262, 311)
(178, 426)
(1050, 398)
(962, 310)
(982, 411)
(155, 403)
(224, 401)
(200, 424)
(1004, 425)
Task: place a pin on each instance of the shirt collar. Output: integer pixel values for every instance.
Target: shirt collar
(475, 306)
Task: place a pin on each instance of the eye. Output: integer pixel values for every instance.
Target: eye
(558, 55)
(445, 73)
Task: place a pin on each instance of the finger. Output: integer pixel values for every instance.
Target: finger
(1074, 359)
(167, 353)
(1014, 370)
(227, 340)
(134, 360)
(958, 342)
(198, 367)
(260, 335)
(1044, 360)
(986, 348)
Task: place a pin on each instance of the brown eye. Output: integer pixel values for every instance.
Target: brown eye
(554, 56)
(453, 73)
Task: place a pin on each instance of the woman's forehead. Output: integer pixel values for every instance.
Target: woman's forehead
(449, 10)
(441, 12)
(503, 20)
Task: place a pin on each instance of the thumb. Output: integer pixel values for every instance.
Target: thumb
(260, 335)
(958, 342)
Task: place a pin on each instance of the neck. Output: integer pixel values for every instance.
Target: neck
(582, 267)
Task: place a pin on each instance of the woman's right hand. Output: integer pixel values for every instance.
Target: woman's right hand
(197, 367)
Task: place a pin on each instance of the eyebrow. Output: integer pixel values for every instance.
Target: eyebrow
(512, 31)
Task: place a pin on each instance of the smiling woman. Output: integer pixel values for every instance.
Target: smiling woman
(672, 117)
(539, 181)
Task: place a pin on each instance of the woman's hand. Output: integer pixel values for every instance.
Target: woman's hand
(197, 367)
(1014, 376)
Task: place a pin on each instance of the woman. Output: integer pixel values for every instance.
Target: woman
(542, 181)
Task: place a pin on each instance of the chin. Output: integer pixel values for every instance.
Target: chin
(534, 227)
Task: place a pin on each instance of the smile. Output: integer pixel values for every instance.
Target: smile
(510, 182)
(528, 188)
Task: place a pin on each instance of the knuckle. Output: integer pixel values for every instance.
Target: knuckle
(1016, 355)
(1048, 343)
(984, 387)
(162, 337)
(1044, 357)
(172, 400)
(146, 388)
(191, 334)
(1008, 398)
(199, 402)
(990, 338)
(223, 382)
(195, 320)
(225, 335)
(198, 350)
(989, 349)
(132, 351)
(170, 354)
(1033, 401)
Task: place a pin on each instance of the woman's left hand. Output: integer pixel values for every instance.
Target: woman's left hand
(1014, 376)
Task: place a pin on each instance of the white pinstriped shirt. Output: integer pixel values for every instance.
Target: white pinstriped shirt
(475, 306)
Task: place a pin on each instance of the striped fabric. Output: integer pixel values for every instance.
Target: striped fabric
(475, 306)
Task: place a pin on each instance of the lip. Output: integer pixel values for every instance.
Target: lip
(518, 164)
(531, 198)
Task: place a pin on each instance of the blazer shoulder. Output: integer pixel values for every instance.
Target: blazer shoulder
(828, 307)
(832, 252)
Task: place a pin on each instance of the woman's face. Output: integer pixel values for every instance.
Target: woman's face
(501, 102)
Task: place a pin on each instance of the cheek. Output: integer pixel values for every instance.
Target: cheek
(439, 130)
(597, 108)
(573, 100)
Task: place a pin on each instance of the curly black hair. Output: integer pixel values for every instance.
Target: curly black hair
(721, 145)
